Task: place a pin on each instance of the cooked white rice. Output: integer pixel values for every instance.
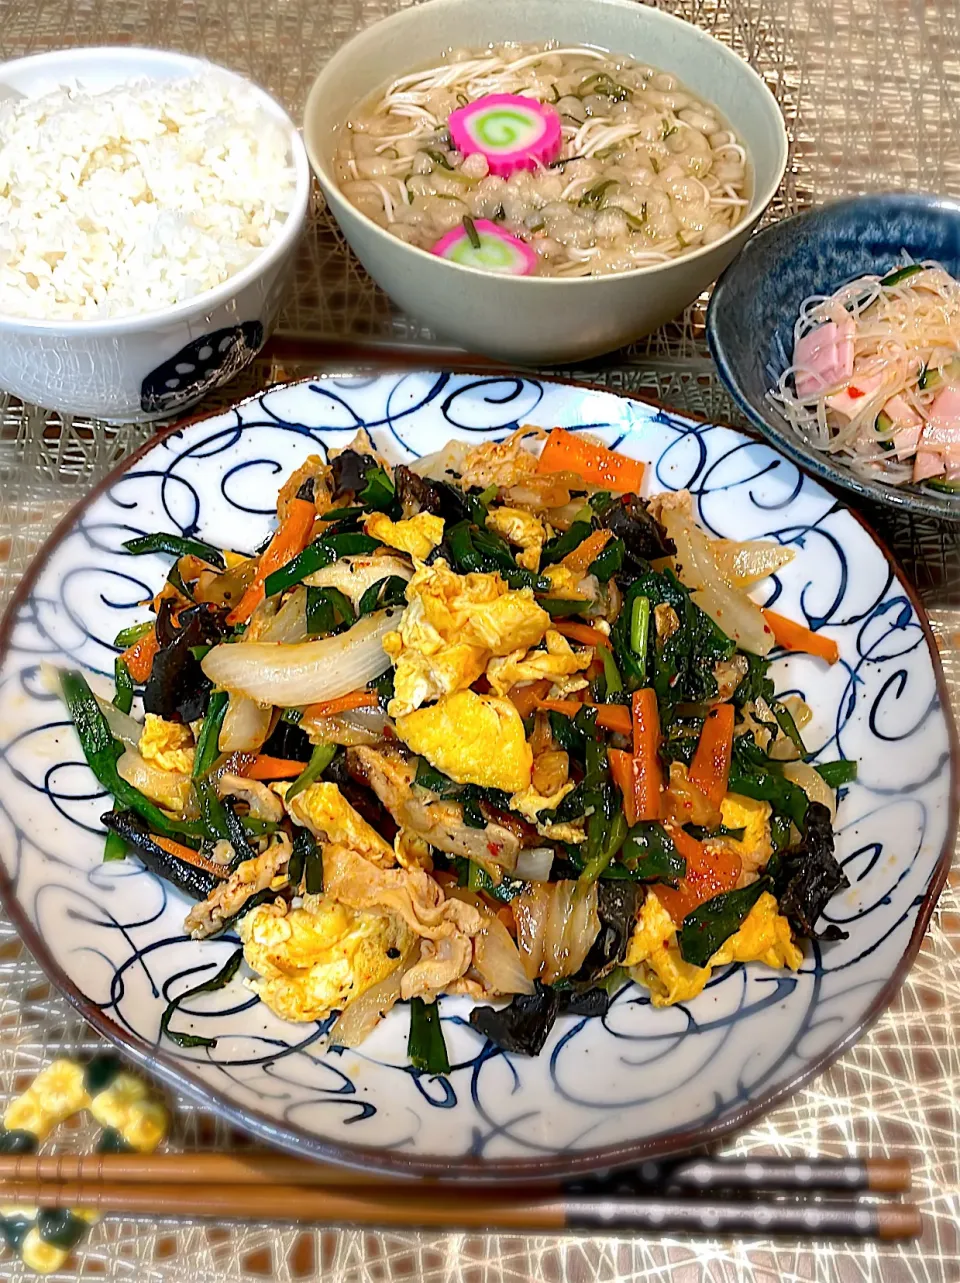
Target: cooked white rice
(123, 202)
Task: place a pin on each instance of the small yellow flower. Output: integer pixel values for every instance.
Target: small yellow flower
(111, 1106)
(42, 1257)
(25, 1114)
(146, 1126)
(60, 1088)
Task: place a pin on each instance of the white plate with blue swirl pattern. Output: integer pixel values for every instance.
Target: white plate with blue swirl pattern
(639, 1083)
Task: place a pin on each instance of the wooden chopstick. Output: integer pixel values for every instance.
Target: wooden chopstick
(705, 1175)
(438, 1208)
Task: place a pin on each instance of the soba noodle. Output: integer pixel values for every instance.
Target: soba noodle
(648, 171)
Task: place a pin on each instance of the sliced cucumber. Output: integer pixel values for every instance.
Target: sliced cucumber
(884, 424)
(946, 487)
(935, 378)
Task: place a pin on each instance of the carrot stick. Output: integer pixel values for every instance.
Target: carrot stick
(647, 770)
(526, 698)
(710, 768)
(580, 558)
(191, 856)
(289, 540)
(793, 636)
(581, 633)
(710, 870)
(568, 452)
(621, 768)
(610, 717)
(342, 704)
(265, 767)
(140, 656)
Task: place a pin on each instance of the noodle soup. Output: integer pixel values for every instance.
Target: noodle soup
(645, 170)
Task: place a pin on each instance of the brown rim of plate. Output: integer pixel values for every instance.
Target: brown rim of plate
(289, 1137)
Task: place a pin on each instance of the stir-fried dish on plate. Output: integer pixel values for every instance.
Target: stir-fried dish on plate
(489, 724)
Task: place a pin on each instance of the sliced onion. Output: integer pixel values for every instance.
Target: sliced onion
(287, 625)
(360, 1017)
(557, 923)
(815, 786)
(126, 728)
(731, 610)
(534, 864)
(305, 672)
(170, 789)
(354, 575)
(451, 458)
(743, 564)
(359, 726)
(496, 960)
(245, 726)
(799, 710)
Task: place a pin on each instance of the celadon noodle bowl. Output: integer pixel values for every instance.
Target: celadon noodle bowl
(671, 147)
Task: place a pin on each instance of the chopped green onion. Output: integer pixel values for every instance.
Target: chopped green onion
(328, 609)
(219, 981)
(315, 556)
(128, 637)
(835, 774)
(611, 673)
(320, 759)
(391, 591)
(470, 227)
(178, 547)
(640, 631)
(114, 847)
(426, 1050)
(593, 199)
(609, 562)
(788, 725)
(558, 607)
(212, 813)
(123, 698)
(379, 491)
(102, 751)
(556, 549)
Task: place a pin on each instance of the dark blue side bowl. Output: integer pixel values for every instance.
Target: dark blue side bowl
(757, 299)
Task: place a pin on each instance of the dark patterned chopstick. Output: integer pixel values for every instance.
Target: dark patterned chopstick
(817, 1175)
(437, 1207)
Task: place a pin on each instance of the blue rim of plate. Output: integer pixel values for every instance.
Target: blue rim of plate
(412, 1166)
(908, 498)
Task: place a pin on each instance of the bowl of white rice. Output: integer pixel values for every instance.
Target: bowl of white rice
(150, 208)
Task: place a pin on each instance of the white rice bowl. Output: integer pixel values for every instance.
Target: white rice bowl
(136, 198)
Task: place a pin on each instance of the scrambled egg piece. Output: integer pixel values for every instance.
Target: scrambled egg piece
(529, 802)
(417, 535)
(166, 744)
(57, 1093)
(654, 960)
(323, 809)
(558, 663)
(316, 959)
(452, 626)
(475, 739)
(755, 847)
(563, 581)
(522, 529)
